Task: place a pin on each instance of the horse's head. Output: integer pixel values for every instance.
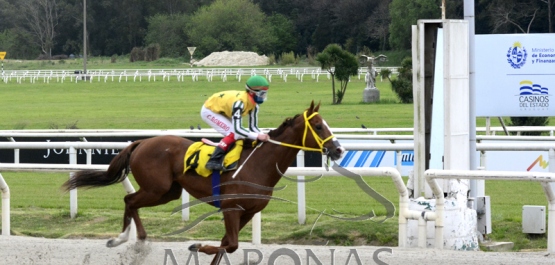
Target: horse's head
(317, 134)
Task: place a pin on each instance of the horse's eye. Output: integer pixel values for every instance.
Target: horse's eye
(319, 127)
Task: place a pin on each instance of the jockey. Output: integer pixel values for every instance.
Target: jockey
(224, 111)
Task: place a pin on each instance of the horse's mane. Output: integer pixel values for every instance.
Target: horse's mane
(279, 130)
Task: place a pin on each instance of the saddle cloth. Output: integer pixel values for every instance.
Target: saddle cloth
(199, 153)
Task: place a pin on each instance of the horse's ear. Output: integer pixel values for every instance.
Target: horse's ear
(317, 107)
(311, 109)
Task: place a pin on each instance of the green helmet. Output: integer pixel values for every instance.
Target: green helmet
(257, 82)
(258, 86)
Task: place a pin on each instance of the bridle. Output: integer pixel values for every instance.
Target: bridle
(307, 127)
(317, 138)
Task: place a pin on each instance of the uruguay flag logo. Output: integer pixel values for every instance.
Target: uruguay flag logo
(516, 56)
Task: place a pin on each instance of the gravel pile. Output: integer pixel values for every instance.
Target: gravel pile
(227, 58)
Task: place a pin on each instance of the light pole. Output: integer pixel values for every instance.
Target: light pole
(84, 37)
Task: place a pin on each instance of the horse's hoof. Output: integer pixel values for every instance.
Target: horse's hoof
(114, 242)
(195, 247)
(111, 243)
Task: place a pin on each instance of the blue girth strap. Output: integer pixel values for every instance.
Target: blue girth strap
(216, 187)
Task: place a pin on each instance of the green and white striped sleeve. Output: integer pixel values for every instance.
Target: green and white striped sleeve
(253, 120)
(236, 120)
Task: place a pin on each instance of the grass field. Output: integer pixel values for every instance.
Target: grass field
(175, 105)
(39, 208)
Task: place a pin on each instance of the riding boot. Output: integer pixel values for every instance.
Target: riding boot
(216, 160)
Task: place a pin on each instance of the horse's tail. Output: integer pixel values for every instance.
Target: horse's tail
(117, 172)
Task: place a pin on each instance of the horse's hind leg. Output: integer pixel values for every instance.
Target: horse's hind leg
(138, 200)
(129, 214)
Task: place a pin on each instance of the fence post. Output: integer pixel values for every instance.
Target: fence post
(73, 192)
(549, 189)
(184, 200)
(399, 160)
(5, 190)
(301, 206)
(551, 168)
(551, 155)
(257, 228)
(480, 184)
(15, 153)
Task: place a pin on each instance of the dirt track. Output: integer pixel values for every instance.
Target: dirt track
(29, 250)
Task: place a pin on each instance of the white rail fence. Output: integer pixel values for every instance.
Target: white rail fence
(256, 221)
(72, 148)
(490, 132)
(404, 213)
(180, 75)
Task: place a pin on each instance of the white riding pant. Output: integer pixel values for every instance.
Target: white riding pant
(219, 122)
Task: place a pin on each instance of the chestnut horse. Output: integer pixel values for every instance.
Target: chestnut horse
(157, 165)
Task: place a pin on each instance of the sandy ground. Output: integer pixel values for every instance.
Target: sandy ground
(30, 250)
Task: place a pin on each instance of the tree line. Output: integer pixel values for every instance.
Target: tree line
(30, 29)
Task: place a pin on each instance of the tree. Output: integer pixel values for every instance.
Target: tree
(115, 27)
(167, 30)
(511, 16)
(233, 25)
(341, 65)
(283, 30)
(349, 23)
(42, 18)
(15, 42)
(550, 4)
(402, 86)
(406, 13)
(176, 7)
(8, 14)
(284, 7)
(377, 24)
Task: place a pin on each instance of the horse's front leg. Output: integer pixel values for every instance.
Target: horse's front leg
(234, 222)
(230, 241)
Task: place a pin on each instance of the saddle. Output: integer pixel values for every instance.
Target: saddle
(199, 153)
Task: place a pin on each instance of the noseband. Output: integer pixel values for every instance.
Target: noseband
(317, 138)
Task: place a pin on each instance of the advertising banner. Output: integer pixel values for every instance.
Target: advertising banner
(515, 75)
(533, 161)
(98, 156)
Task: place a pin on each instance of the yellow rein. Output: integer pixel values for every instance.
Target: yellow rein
(319, 140)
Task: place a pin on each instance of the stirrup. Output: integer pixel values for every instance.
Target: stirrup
(214, 166)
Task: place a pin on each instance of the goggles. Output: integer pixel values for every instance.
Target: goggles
(260, 95)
